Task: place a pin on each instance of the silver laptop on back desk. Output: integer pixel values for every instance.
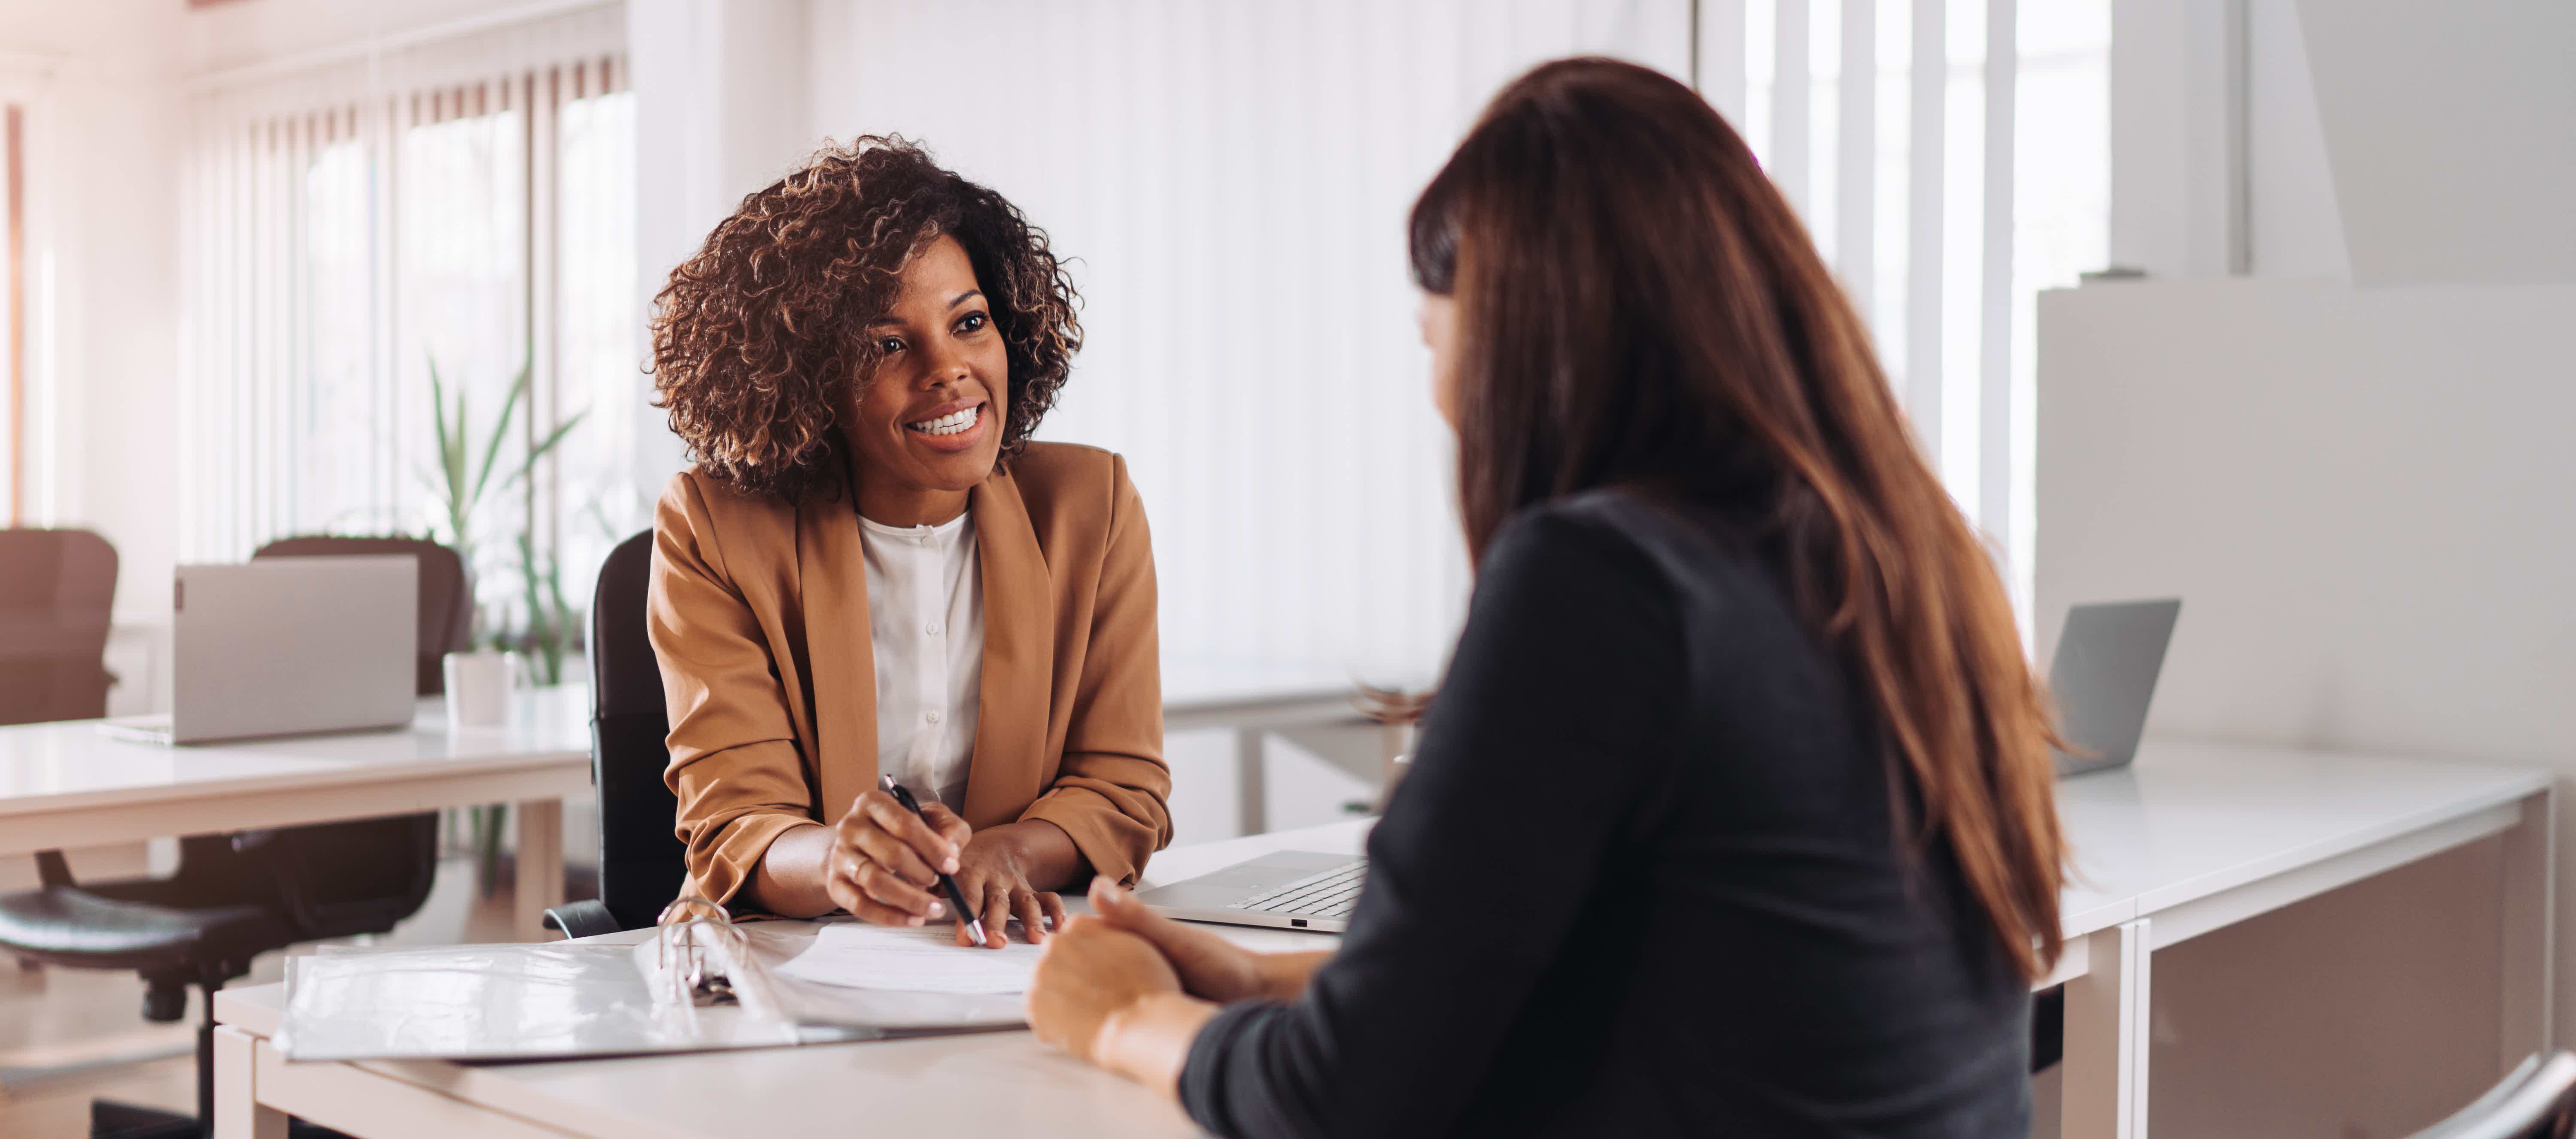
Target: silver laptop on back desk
(2104, 676)
(288, 646)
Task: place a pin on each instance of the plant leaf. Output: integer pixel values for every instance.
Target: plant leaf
(460, 506)
(500, 433)
(446, 450)
(565, 627)
(543, 447)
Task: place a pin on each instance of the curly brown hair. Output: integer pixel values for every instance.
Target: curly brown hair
(759, 337)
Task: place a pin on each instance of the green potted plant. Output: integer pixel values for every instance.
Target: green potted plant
(479, 679)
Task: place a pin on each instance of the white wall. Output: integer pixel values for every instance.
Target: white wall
(102, 175)
(719, 110)
(2361, 496)
(2173, 163)
(2382, 141)
(2295, 223)
(2218, 157)
(266, 32)
(2452, 130)
(1233, 182)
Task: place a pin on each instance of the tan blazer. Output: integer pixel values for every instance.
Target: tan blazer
(759, 617)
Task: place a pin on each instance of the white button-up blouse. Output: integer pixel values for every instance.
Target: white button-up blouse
(926, 624)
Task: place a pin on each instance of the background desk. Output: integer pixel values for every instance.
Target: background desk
(1254, 699)
(68, 784)
(2194, 838)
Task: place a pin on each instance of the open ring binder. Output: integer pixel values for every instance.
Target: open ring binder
(698, 981)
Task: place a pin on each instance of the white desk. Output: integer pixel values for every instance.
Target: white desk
(2195, 838)
(68, 784)
(936, 1086)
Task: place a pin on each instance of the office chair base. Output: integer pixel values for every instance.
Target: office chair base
(126, 1121)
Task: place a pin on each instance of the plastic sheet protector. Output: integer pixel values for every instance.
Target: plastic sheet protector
(597, 998)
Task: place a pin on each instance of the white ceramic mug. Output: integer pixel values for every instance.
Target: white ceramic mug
(479, 684)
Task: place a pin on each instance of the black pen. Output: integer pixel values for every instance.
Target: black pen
(948, 885)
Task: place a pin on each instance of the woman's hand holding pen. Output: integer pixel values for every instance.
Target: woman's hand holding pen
(885, 862)
(995, 872)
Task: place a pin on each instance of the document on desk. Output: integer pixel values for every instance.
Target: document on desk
(925, 959)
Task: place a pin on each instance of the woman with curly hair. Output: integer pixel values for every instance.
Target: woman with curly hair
(871, 568)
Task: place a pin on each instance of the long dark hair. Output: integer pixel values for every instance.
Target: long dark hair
(1637, 305)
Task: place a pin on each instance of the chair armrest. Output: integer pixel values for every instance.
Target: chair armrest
(51, 870)
(588, 917)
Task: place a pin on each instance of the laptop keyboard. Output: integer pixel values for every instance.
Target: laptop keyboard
(1330, 894)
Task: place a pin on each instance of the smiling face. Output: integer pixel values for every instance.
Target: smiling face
(927, 426)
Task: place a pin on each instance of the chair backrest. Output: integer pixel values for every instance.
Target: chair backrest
(641, 861)
(446, 594)
(364, 875)
(2537, 1100)
(56, 590)
(347, 878)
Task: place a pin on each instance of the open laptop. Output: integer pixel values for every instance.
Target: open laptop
(2104, 675)
(288, 646)
(1292, 889)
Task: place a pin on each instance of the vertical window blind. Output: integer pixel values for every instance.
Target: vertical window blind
(464, 204)
(32, 189)
(1233, 181)
(1952, 159)
(15, 477)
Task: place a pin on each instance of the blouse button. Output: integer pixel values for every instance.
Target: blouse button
(924, 539)
(933, 717)
(931, 628)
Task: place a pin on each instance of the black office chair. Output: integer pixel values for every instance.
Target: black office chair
(2537, 1100)
(236, 896)
(446, 594)
(56, 588)
(2047, 1028)
(379, 870)
(641, 861)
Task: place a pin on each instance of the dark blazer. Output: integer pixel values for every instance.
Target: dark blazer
(1645, 878)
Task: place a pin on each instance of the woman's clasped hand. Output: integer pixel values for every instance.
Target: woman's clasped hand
(1124, 983)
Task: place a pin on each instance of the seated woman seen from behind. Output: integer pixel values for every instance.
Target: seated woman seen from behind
(1734, 815)
(871, 568)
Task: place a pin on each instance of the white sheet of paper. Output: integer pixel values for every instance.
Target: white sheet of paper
(925, 959)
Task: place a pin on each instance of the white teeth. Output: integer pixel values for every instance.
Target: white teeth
(949, 424)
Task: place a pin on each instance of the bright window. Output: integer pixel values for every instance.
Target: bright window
(1970, 207)
(345, 249)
